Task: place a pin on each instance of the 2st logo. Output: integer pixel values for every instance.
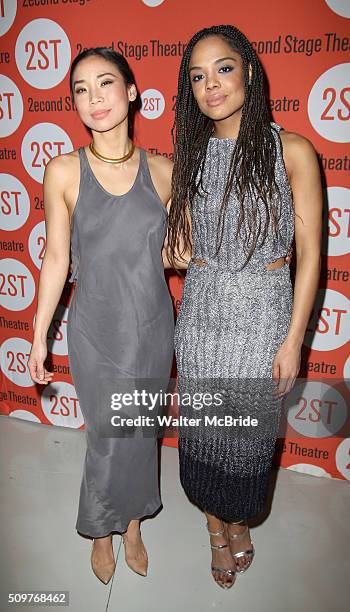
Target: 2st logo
(14, 361)
(341, 7)
(336, 109)
(153, 104)
(153, 3)
(43, 59)
(338, 242)
(57, 333)
(315, 409)
(11, 106)
(17, 287)
(329, 326)
(8, 10)
(41, 143)
(329, 104)
(342, 458)
(37, 243)
(60, 404)
(14, 203)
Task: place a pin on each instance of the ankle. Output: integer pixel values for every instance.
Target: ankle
(238, 526)
(105, 541)
(132, 535)
(216, 527)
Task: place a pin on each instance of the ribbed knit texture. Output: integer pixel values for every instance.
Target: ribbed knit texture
(230, 326)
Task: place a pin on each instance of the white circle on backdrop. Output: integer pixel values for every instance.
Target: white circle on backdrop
(8, 9)
(346, 372)
(60, 405)
(341, 7)
(14, 203)
(315, 409)
(342, 458)
(43, 53)
(57, 332)
(11, 106)
(26, 415)
(329, 104)
(42, 142)
(329, 327)
(14, 361)
(153, 104)
(310, 469)
(37, 243)
(18, 286)
(153, 2)
(338, 242)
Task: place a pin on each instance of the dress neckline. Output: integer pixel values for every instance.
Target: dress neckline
(113, 195)
(274, 126)
(216, 139)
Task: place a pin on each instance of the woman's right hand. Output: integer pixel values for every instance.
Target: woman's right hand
(38, 372)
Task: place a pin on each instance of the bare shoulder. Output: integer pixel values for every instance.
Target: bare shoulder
(161, 169)
(62, 167)
(160, 164)
(297, 150)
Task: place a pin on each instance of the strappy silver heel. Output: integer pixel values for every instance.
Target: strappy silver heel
(249, 553)
(221, 570)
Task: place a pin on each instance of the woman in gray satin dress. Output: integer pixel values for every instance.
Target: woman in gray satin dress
(108, 201)
(242, 188)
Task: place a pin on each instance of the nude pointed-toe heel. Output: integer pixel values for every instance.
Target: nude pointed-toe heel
(139, 567)
(103, 571)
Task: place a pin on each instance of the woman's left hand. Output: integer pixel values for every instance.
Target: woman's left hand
(285, 368)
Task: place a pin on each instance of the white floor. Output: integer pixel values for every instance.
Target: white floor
(301, 564)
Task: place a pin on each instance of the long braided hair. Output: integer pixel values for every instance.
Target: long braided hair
(252, 166)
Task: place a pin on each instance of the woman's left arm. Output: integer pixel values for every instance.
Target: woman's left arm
(304, 178)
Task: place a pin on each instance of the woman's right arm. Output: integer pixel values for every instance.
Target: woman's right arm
(54, 267)
(182, 260)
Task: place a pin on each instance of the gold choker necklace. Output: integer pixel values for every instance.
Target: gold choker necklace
(111, 160)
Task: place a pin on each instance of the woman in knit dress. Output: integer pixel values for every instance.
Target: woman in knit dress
(242, 190)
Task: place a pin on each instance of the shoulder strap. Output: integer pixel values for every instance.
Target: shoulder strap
(144, 163)
(143, 158)
(83, 158)
(276, 127)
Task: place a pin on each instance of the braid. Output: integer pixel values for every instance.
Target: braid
(252, 166)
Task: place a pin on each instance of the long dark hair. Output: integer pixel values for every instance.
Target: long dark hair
(252, 167)
(123, 67)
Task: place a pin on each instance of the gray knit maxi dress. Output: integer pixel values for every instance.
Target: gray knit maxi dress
(231, 323)
(120, 333)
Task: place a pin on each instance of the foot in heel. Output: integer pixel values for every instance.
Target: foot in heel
(241, 546)
(135, 553)
(222, 567)
(102, 558)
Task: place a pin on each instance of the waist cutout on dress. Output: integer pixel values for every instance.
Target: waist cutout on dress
(243, 276)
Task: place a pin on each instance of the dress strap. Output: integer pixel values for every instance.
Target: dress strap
(145, 167)
(84, 164)
(276, 127)
(143, 160)
(74, 249)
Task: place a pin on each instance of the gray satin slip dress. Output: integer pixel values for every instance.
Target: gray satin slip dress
(231, 323)
(120, 330)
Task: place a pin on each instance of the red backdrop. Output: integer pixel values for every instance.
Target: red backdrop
(304, 49)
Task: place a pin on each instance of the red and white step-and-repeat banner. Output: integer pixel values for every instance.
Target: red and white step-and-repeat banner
(304, 47)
